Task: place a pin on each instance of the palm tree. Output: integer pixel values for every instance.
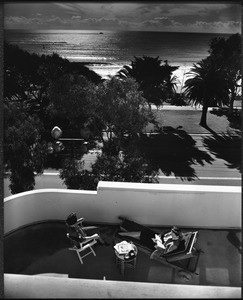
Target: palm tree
(208, 87)
(154, 78)
(228, 53)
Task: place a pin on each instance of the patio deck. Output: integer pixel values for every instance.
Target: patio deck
(43, 249)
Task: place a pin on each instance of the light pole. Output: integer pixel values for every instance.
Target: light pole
(58, 146)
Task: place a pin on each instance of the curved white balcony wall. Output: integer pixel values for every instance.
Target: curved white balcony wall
(149, 204)
(35, 287)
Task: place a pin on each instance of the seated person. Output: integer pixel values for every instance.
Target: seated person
(75, 223)
(76, 232)
(78, 238)
(169, 241)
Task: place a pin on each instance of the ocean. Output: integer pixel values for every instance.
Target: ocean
(106, 52)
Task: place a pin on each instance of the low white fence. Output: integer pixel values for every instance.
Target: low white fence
(193, 206)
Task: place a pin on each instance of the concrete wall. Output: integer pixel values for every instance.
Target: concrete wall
(36, 287)
(149, 204)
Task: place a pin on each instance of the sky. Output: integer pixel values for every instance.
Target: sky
(181, 16)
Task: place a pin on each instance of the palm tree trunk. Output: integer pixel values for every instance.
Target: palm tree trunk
(203, 121)
(231, 104)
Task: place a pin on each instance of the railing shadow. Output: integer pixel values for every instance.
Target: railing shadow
(226, 147)
(174, 152)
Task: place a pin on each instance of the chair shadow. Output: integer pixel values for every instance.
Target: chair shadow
(174, 152)
(225, 146)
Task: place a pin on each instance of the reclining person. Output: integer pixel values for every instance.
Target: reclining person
(169, 241)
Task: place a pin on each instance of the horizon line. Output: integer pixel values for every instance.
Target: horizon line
(120, 30)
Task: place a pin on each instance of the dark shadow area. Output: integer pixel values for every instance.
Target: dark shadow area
(234, 240)
(28, 245)
(226, 147)
(15, 245)
(174, 152)
(209, 129)
(43, 249)
(234, 118)
(178, 99)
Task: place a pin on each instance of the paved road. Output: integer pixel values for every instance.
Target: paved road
(216, 173)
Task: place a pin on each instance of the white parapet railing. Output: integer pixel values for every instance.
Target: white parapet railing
(35, 287)
(195, 206)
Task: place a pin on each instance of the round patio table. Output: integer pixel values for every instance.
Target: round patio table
(122, 262)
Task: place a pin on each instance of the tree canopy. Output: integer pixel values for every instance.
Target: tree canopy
(27, 76)
(120, 110)
(154, 78)
(130, 167)
(24, 151)
(208, 86)
(28, 113)
(227, 53)
(216, 78)
(71, 97)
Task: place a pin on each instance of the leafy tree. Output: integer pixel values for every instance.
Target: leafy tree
(72, 109)
(227, 52)
(208, 87)
(178, 99)
(76, 177)
(120, 111)
(24, 153)
(54, 66)
(21, 79)
(71, 97)
(155, 80)
(27, 77)
(112, 110)
(131, 167)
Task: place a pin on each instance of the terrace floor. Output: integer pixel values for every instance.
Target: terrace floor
(43, 249)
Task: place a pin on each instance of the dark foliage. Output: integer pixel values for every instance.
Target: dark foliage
(208, 86)
(215, 80)
(24, 152)
(227, 53)
(75, 177)
(27, 77)
(154, 78)
(131, 167)
(178, 99)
